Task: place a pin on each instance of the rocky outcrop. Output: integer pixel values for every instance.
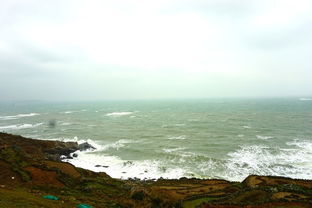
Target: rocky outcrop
(30, 169)
(85, 146)
(43, 149)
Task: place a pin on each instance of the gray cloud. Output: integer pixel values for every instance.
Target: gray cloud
(71, 50)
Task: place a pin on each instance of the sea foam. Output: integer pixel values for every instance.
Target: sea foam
(305, 99)
(117, 114)
(18, 116)
(294, 161)
(20, 126)
(119, 168)
(182, 137)
(264, 137)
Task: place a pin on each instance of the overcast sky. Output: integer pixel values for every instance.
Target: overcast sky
(137, 49)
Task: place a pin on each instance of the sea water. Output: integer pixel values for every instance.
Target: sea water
(214, 138)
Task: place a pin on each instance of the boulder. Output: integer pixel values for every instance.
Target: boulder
(85, 146)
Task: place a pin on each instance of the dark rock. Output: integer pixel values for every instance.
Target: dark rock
(105, 166)
(85, 146)
(75, 155)
(97, 166)
(60, 149)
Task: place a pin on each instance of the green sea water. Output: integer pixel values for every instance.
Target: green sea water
(213, 138)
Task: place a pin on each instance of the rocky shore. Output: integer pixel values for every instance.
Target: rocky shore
(31, 169)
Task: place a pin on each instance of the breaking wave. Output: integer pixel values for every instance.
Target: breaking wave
(264, 137)
(20, 126)
(117, 114)
(293, 161)
(18, 116)
(182, 137)
(305, 99)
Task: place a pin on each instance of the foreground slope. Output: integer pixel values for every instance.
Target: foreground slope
(31, 169)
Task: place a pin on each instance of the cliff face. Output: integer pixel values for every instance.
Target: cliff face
(30, 169)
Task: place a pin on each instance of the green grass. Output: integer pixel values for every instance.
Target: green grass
(23, 199)
(196, 202)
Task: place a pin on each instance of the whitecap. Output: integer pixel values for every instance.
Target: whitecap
(304, 144)
(124, 169)
(264, 137)
(180, 124)
(18, 116)
(246, 127)
(68, 112)
(117, 114)
(20, 126)
(99, 147)
(65, 124)
(80, 141)
(118, 144)
(170, 150)
(182, 137)
(305, 99)
(262, 160)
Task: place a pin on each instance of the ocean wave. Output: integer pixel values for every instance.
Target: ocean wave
(65, 123)
(262, 160)
(303, 144)
(170, 150)
(182, 137)
(68, 112)
(305, 99)
(20, 126)
(264, 137)
(293, 161)
(99, 147)
(97, 160)
(18, 116)
(124, 169)
(117, 114)
(118, 144)
(80, 141)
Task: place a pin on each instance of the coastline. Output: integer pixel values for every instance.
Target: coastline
(30, 169)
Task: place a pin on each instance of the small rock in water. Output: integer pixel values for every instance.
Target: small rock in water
(97, 166)
(75, 155)
(85, 146)
(105, 166)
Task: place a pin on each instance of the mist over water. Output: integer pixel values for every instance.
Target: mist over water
(215, 138)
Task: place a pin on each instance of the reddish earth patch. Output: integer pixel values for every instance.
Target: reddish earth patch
(43, 177)
(256, 181)
(66, 168)
(8, 176)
